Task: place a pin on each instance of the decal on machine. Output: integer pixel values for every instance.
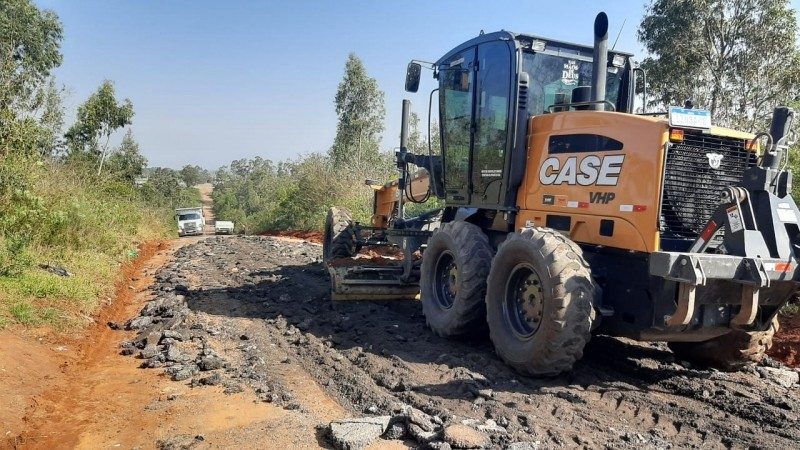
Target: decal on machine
(587, 171)
(569, 76)
(734, 219)
(601, 197)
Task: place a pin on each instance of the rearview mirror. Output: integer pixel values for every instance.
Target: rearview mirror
(412, 76)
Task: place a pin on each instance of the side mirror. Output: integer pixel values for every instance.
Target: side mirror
(412, 76)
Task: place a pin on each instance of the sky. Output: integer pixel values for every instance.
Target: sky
(215, 81)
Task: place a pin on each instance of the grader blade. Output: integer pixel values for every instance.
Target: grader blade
(370, 282)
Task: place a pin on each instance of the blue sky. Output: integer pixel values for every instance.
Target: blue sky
(213, 81)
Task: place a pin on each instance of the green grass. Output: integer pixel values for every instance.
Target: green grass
(58, 215)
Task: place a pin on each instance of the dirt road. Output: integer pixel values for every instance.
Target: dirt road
(261, 358)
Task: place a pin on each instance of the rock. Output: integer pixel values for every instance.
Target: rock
(439, 445)
(421, 419)
(154, 362)
(173, 354)
(212, 380)
(151, 351)
(172, 334)
(153, 338)
(784, 377)
(56, 270)
(421, 435)
(128, 348)
(182, 374)
(180, 442)
(570, 397)
(462, 436)
(357, 433)
(490, 426)
(396, 430)
(210, 363)
(485, 393)
(523, 446)
(232, 388)
(138, 323)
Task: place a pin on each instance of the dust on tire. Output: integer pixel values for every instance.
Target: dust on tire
(471, 253)
(567, 302)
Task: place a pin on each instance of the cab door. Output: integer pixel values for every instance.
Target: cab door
(456, 105)
(491, 137)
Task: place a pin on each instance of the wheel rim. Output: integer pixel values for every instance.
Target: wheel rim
(523, 307)
(446, 279)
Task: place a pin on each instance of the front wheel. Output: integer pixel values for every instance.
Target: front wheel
(540, 302)
(340, 239)
(453, 279)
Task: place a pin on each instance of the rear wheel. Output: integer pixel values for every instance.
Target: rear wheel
(729, 352)
(340, 235)
(453, 279)
(540, 302)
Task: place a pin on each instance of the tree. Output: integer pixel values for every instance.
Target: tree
(360, 109)
(127, 162)
(737, 58)
(98, 118)
(30, 41)
(194, 175)
(166, 182)
(417, 142)
(30, 107)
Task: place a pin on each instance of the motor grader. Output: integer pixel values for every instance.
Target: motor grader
(566, 213)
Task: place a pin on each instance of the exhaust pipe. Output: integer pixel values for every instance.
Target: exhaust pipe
(782, 121)
(600, 61)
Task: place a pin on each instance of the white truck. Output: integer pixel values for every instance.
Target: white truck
(190, 221)
(223, 227)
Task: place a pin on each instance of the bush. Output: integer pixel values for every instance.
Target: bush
(64, 215)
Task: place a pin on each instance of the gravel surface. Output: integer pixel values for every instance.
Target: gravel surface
(232, 311)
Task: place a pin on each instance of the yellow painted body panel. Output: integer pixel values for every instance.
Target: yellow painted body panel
(636, 194)
(638, 181)
(386, 197)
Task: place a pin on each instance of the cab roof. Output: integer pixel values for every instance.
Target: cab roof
(525, 41)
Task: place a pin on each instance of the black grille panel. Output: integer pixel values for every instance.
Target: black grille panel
(692, 187)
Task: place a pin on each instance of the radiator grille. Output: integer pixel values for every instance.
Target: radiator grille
(692, 187)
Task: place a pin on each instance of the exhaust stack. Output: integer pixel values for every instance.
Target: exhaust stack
(600, 60)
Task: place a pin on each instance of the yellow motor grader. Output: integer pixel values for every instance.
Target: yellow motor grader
(566, 214)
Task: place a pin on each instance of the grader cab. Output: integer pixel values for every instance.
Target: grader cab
(566, 214)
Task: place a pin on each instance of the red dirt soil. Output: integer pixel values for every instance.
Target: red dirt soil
(83, 394)
(48, 390)
(786, 343)
(312, 236)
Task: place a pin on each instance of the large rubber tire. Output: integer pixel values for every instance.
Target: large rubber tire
(540, 302)
(729, 352)
(453, 279)
(340, 235)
